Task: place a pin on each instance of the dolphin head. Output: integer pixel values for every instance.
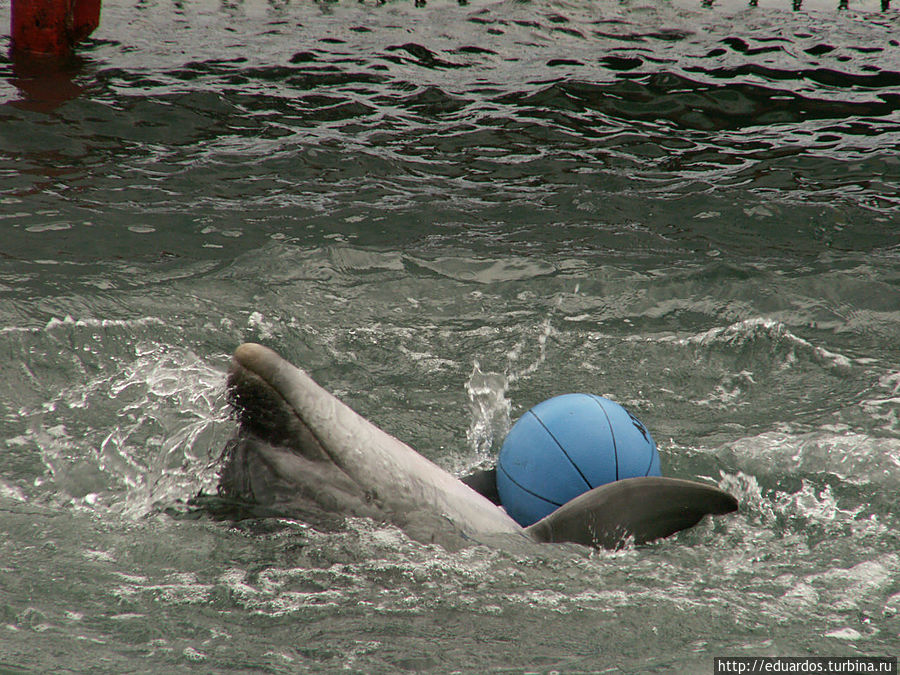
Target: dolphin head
(276, 462)
(300, 451)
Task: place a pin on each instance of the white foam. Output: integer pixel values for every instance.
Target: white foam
(845, 633)
(68, 321)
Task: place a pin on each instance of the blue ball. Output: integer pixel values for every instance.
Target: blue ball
(568, 445)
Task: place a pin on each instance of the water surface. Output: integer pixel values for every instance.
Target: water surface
(448, 214)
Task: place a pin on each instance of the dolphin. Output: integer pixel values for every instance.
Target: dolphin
(301, 452)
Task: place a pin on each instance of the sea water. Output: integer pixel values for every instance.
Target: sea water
(447, 214)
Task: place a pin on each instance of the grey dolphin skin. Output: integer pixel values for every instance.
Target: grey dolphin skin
(301, 452)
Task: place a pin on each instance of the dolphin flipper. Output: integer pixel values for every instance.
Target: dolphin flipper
(640, 508)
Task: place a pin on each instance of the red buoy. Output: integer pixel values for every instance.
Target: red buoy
(52, 27)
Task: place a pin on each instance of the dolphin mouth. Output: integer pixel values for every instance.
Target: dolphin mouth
(276, 464)
(260, 398)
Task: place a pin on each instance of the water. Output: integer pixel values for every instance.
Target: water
(448, 214)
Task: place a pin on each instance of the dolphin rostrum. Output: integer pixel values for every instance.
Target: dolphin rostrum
(301, 452)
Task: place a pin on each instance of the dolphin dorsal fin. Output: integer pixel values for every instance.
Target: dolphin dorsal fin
(640, 508)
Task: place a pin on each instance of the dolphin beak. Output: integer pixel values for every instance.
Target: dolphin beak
(260, 387)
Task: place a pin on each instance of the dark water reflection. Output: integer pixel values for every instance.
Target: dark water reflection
(489, 104)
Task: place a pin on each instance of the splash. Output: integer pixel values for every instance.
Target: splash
(489, 409)
(489, 405)
(750, 496)
(138, 438)
(813, 511)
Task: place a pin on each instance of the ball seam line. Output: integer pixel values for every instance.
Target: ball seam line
(612, 432)
(525, 489)
(650, 465)
(566, 454)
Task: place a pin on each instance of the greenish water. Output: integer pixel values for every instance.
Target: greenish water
(448, 214)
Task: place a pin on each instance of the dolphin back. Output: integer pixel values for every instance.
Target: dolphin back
(642, 509)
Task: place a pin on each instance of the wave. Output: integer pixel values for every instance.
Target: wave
(853, 459)
(768, 335)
